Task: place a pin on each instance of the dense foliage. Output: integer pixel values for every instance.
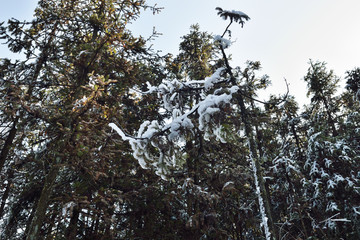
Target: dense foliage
(198, 156)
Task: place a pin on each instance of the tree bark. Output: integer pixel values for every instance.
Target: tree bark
(330, 119)
(6, 193)
(71, 231)
(40, 212)
(252, 148)
(8, 143)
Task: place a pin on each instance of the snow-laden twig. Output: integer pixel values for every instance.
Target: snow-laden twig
(340, 220)
(356, 211)
(330, 218)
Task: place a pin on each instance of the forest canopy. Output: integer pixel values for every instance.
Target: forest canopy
(104, 138)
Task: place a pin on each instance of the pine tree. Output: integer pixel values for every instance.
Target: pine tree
(160, 145)
(329, 180)
(322, 85)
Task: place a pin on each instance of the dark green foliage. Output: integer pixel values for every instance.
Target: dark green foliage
(353, 80)
(197, 57)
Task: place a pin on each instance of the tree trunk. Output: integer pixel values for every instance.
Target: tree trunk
(7, 145)
(6, 193)
(330, 119)
(297, 140)
(40, 212)
(259, 180)
(71, 231)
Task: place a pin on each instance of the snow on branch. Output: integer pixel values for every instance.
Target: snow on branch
(225, 43)
(236, 16)
(170, 86)
(170, 91)
(160, 144)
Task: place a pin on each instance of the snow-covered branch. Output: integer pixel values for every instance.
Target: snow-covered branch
(168, 137)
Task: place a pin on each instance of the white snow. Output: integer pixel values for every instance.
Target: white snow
(239, 13)
(120, 132)
(168, 136)
(332, 206)
(340, 220)
(68, 208)
(227, 184)
(328, 162)
(219, 134)
(225, 43)
(331, 184)
(210, 81)
(151, 88)
(338, 178)
(356, 210)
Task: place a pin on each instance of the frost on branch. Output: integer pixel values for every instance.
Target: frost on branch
(160, 145)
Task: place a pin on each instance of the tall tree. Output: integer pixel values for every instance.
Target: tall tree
(159, 145)
(197, 54)
(328, 179)
(80, 62)
(322, 85)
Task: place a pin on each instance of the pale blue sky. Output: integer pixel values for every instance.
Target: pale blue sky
(282, 34)
(18, 9)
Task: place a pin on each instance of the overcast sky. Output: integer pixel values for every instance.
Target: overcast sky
(282, 34)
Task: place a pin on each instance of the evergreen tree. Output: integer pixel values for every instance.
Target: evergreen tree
(329, 179)
(198, 54)
(160, 145)
(322, 85)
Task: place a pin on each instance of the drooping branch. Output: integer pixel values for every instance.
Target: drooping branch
(150, 132)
